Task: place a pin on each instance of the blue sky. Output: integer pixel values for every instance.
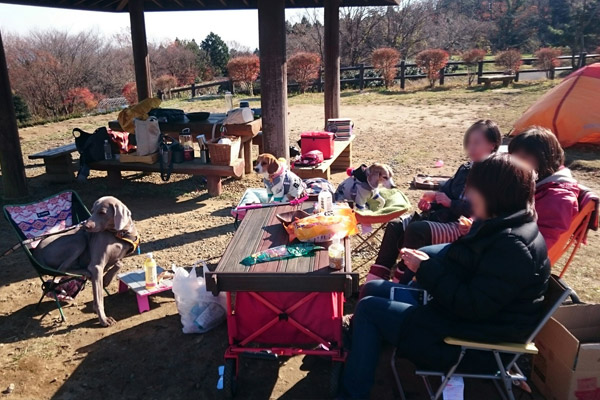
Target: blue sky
(240, 26)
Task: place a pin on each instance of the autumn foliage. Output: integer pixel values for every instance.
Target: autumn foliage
(471, 58)
(129, 91)
(244, 70)
(547, 58)
(431, 62)
(304, 69)
(385, 61)
(510, 60)
(80, 99)
(165, 82)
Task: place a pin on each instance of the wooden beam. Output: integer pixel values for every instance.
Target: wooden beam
(273, 73)
(141, 61)
(121, 5)
(332, 59)
(14, 183)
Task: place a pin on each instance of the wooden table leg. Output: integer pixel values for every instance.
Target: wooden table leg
(213, 184)
(114, 177)
(248, 156)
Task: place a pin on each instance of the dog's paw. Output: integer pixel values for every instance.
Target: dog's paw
(108, 321)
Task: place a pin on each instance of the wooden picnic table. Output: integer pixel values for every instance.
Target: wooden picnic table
(340, 161)
(505, 79)
(58, 163)
(261, 230)
(211, 128)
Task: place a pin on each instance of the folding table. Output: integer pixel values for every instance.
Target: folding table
(280, 308)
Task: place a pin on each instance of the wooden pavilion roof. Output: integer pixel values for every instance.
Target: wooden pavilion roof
(185, 5)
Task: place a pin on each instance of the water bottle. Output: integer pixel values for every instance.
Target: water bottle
(150, 272)
(325, 201)
(228, 101)
(107, 151)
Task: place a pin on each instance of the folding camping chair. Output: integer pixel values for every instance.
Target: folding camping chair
(586, 219)
(52, 214)
(508, 372)
(371, 240)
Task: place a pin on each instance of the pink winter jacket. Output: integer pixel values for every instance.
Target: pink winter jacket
(556, 204)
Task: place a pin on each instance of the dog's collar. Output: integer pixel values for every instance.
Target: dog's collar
(277, 174)
(128, 237)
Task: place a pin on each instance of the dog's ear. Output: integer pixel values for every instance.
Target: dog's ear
(273, 166)
(122, 216)
(373, 176)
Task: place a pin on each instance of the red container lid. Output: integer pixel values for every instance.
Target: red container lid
(317, 135)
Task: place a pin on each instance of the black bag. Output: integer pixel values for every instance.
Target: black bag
(168, 114)
(166, 146)
(91, 148)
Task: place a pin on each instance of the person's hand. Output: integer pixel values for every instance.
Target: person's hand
(443, 199)
(413, 258)
(424, 205)
(464, 225)
(428, 196)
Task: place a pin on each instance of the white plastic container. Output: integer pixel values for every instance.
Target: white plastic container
(337, 254)
(325, 201)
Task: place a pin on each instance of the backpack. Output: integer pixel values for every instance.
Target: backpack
(91, 148)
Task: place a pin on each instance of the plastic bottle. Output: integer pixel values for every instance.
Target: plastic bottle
(150, 272)
(336, 254)
(107, 151)
(228, 101)
(325, 201)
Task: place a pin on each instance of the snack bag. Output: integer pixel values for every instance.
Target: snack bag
(281, 253)
(322, 228)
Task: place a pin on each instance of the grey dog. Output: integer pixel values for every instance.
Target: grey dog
(95, 249)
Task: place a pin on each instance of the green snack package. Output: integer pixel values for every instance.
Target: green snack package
(281, 253)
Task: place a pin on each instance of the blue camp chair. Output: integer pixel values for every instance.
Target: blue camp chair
(49, 215)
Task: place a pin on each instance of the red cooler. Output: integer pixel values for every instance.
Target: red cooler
(322, 141)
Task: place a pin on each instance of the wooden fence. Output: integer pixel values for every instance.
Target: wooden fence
(406, 71)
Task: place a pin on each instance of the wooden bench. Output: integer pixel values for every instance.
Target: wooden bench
(58, 162)
(505, 79)
(341, 160)
(213, 173)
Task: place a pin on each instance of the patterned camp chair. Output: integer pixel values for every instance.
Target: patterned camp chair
(586, 219)
(50, 215)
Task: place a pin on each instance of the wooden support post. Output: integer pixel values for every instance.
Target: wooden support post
(582, 59)
(332, 59)
(361, 77)
(479, 71)
(517, 76)
(193, 90)
(273, 72)
(442, 75)
(14, 182)
(141, 61)
(402, 74)
(552, 73)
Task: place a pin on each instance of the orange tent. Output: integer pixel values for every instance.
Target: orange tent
(571, 109)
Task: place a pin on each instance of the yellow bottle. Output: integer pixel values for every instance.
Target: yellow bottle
(150, 272)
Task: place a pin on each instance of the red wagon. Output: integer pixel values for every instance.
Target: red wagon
(280, 308)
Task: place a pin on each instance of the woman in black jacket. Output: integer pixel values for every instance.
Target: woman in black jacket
(488, 285)
(438, 222)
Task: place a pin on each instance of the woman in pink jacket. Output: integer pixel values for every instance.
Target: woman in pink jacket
(556, 190)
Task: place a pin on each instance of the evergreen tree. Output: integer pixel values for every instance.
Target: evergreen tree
(218, 52)
(21, 108)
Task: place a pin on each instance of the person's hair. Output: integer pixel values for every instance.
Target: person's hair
(506, 183)
(541, 144)
(490, 131)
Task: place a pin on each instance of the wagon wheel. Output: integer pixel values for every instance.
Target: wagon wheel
(229, 378)
(335, 378)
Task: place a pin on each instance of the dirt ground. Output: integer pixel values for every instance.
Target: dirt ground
(147, 355)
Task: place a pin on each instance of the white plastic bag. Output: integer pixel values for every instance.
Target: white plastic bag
(146, 136)
(200, 311)
(238, 116)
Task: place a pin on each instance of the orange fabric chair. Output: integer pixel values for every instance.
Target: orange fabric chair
(571, 109)
(586, 219)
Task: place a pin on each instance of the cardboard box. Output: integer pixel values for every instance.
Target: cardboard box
(134, 158)
(568, 364)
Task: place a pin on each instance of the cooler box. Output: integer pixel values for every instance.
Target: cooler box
(322, 141)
